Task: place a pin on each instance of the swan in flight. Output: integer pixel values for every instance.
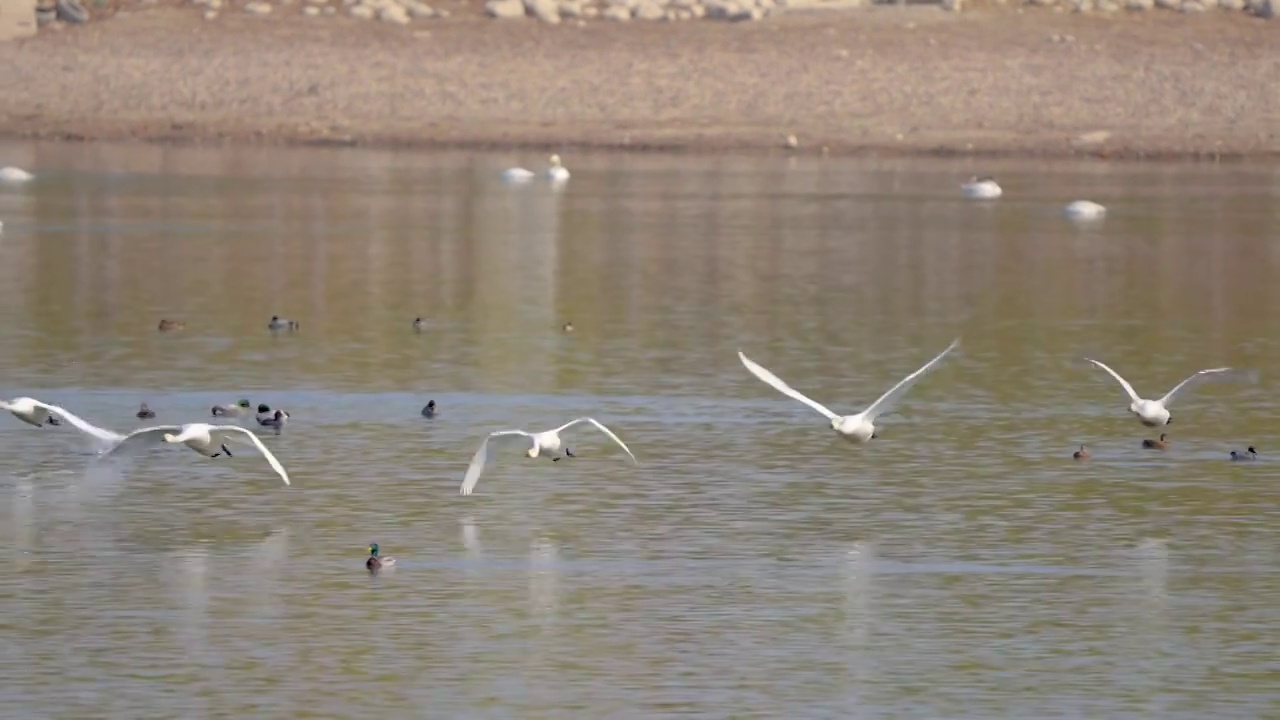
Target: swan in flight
(1154, 413)
(860, 427)
(981, 188)
(546, 443)
(12, 174)
(208, 440)
(1084, 210)
(30, 411)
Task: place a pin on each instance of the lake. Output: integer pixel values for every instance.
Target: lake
(752, 564)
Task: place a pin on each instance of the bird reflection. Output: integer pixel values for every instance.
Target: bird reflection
(859, 566)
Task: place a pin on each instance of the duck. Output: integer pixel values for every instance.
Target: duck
(981, 188)
(1245, 456)
(277, 420)
(279, 323)
(145, 413)
(1084, 210)
(264, 412)
(557, 172)
(418, 324)
(1081, 454)
(1161, 444)
(430, 410)
(12, 174)
(167, 325)
(240, 409)
(374, 562)
(567, 327)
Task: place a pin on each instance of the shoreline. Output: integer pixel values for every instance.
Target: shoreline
(883, 81)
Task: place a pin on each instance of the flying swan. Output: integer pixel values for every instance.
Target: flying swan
(208, 440)
(1154, 413)
(860, 427)
(545, 443)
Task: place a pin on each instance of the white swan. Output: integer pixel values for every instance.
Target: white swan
(1084, 210)
(1154, 413)
(981, 188)
(517, 174)
(860, 427)
(12, 174)
(545, 443)
(557, 171)
(208, 440)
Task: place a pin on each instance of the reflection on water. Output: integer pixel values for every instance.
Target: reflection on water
(751, 565)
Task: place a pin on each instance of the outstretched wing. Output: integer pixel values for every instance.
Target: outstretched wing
(146, 434)
(603, 429)
(760, 372)
(100, 434)
(886, 402)
(481, 457)
(1168, 398)
(239, 434)
(1123, 383)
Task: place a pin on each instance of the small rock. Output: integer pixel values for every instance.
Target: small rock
(1231, 5)
(418, 9)
(1082, 6)
(44, 17)
(545, 10)
(504, 9)
(698, 11)
(72, 11)
(1193, 6)
(590, 11)
(258, 8)
(1139, 5)
(362, 12)
(394, 14)
(951, 5)
(616, 12)
(571, 9)
(1265, 8)
(328, 10)
(311, 11)
(648, 10)
(210, 14)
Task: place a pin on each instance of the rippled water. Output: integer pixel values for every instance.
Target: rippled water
(752, 564)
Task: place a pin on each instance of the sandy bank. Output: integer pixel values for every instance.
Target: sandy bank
(889, 80)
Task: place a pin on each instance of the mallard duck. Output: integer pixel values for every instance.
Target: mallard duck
(1081, 454)
(277, 420)
(1245, 456)
(429, 411)
(1161, 444)
(374, 562)
(279, 323)
(264, 412)
(167, 325)
(981, 188)
(145, 413)
(240, 409)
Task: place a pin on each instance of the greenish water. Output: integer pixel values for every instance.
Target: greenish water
(752, 564)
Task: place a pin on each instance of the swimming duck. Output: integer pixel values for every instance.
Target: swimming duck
(981, 188)
(277, 420)
(1245, 456)
(279, 323)
(1161, 444)
(240, 409)
(374, 562)
(145, 413)
(430, 410)
(167, 325)
(567, 327)
(557, 171)
(418, 324)
(1081, 454)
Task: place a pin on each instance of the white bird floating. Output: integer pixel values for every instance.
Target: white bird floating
(557, 172)
(208, 440)
(12, 174)
(981, 188)
(860, 427)
(517, 174)
(1084, 210)
(1154, 413)
(546, 444)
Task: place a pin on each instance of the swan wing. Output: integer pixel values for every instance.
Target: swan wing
(481, 457)
(1123, 383)
(1195, 378)
(887, 401)
(603, 429)
(242, 435)
(777, 384)
(84, 426)
(146, 434)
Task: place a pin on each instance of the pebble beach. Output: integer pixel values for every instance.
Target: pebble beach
(1104, 78)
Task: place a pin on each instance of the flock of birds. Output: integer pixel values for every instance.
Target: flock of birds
(986, 188)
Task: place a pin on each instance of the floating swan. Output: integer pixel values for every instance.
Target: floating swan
(208, 440)
(517, 174)
(1084, 210)
(860, 427)
(1245, 456)
(12, 174)
(981, 188)
(545, 443)
(557, 171)
(1153, 413)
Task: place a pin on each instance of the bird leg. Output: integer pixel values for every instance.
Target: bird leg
(53, 421)
(225, 450)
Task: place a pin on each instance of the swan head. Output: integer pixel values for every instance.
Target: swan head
(171, 438)
(555, 160)
(533, 451)
(835, 423)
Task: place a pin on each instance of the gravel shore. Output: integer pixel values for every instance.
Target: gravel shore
(997, 80)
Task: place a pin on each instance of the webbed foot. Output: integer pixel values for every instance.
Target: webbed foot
(225, 450)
